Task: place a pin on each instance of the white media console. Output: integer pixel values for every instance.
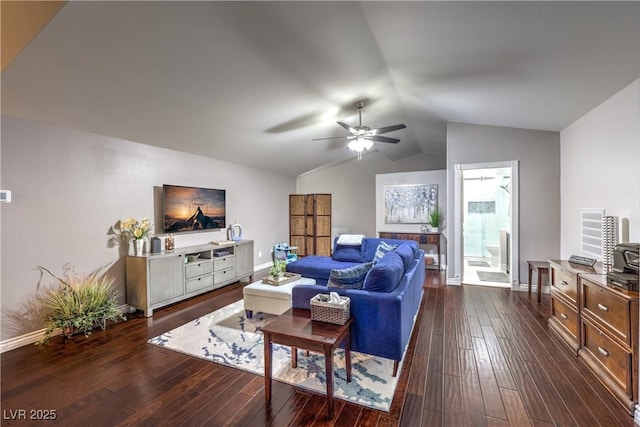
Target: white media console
(158, 279)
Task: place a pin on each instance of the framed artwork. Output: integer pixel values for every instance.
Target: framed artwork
(409, 204)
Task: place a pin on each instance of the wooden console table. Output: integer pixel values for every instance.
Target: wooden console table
(437, 239)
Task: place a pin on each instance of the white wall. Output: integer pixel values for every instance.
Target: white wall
(69, 187)
(601, 166)
(538, 153)
(353, 187)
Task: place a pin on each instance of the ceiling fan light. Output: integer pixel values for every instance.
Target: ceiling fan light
(368, 144)
(356, 145)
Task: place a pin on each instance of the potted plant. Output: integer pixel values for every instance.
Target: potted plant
(136, 231)
(79, 303)
(436, 218)
(277, 270)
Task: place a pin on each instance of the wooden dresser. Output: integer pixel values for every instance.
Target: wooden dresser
(609, 336)
(565, 313)
(436, 239)
(599, 324)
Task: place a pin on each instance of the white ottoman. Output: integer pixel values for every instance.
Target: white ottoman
(270, 299)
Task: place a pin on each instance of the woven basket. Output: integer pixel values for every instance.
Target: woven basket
(325, 311)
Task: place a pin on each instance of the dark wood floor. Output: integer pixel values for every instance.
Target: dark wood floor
(478, 356)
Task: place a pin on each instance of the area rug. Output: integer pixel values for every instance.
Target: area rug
(473, 263)
(226, 336)
(493, 276)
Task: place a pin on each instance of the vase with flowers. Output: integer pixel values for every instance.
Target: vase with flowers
(136, 231)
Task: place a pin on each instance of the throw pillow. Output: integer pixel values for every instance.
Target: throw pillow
(406, 253)
(349, 278)
(386, 274)
(347, 253)
(382, 249)
(350, 239)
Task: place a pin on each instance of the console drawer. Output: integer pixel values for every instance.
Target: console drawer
(565, 315)
(433, 239)
(199, 283)
(607, 309)
(565, 282)
(223, 263)
(613, 359)
(224, 275)
(195, 269)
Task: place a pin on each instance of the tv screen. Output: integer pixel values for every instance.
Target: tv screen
(193, 209)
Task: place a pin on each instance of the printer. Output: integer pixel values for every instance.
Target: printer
(625, 273)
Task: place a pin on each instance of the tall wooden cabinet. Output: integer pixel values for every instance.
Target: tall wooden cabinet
(310, 223)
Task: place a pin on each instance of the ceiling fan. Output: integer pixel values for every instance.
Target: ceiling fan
(363, 137)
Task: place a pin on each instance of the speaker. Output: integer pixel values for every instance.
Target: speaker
(156, 247)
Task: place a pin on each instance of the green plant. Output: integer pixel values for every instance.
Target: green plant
(436, 217)
(79, 302)
(278, 268)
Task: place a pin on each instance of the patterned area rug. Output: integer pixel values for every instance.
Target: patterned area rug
(493, 276)
(226, 336)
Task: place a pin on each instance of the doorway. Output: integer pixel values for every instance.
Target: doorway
(486, 215)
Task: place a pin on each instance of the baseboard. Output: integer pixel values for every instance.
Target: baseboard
(22, 340)
(453, 281)
(263, 266)
(35, 336)
(534, 288)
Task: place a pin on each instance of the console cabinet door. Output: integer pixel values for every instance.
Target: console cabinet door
(244, 259)
(165, 278)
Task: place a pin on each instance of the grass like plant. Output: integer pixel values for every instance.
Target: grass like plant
(79, 303)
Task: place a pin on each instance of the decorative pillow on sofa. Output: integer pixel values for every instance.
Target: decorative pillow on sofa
(349, 278)
(347, 253)
(406, 253)
(382, 249)
(350, 239)
(385, 275)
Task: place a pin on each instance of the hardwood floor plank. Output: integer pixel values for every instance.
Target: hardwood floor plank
(516, 413)
(493, 406)
(497, 359)
(434, 389)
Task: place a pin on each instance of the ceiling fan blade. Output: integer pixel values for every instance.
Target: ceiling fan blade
(378, 138)
(347, 127)
(332, 137)
(386, 129)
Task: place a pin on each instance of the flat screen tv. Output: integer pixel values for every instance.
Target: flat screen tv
(189, 209)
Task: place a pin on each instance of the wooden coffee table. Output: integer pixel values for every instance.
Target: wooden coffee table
(296, 329)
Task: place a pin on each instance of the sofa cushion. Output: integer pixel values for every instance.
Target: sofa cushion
(406, 253)
(349, 278)
(317, 267)
(347, 253)
(385, 275)
(382, 249)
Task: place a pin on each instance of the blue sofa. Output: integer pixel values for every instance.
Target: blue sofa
(383, 311)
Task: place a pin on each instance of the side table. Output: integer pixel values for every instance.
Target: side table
(541, 268)
(296, 329)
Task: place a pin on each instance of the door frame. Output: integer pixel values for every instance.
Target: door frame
(514, 255)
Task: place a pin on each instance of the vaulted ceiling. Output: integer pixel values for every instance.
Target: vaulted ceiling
(254, 82)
